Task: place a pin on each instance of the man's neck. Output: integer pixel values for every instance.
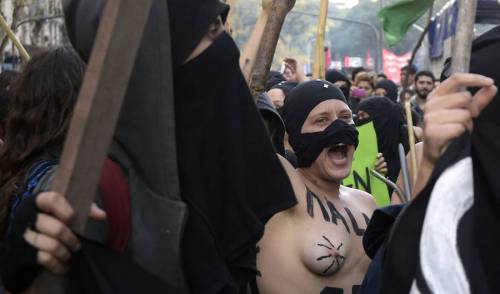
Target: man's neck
(421, 102)
(329, 187)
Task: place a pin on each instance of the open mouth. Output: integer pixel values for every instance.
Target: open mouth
(338, 153)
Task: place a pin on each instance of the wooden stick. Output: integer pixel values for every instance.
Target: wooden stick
(319, 60)
(97, 111)
(13, 38)
(462, 44)
(411, 141)
(249, 54)
(230, 17)
(277, 11)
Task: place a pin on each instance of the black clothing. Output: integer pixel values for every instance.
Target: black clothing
(462, 195)
(230, 177)
(274, 78)
(390, 88)
(389, 123)
(274, 123)
(286, 87)
(229, 173)
(301, 101)
(334, 76)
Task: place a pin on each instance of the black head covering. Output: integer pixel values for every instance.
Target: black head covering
(301, 101)
(275, 124)
(274, 78)
(229, 174)
(388, 120)
(334, 76)
(189, 20)
(286, 87)
(390, 88)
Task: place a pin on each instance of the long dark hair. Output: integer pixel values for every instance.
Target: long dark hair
(39, 116)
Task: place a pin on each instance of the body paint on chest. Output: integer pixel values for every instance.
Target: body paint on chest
(334, 215)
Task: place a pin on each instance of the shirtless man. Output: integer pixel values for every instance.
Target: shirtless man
(316, 247)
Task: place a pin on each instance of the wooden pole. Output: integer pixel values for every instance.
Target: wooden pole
(230, 17)
(96, 113)
(411, 141)
(274, 11)
(319, 60)
(462, 44)
(13, 38)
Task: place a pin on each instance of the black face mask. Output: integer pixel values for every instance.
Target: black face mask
(229, 173)
(308, 146)
(301, 101)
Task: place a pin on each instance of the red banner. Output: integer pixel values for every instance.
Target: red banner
(393, 64)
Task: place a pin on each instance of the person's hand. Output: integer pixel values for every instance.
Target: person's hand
(449, 112)
(381, 165)
(296, 69)
(51, 235)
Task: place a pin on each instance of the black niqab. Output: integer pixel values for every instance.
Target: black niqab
(390, 88)
(388, 120)
(230, 175)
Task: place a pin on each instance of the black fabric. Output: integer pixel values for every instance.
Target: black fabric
(301, 101)
(379, 227)
(286, 87)
(189, 22)
(189, 19)
(308, 146)
(388, 120)
(82, 19)
(374, 241)
(97, 269)
(402, 251)
(333, 76)
(18, 262)
(274, 78)
(230, 175)
(390, 88)
(274, 123)
(485, 148)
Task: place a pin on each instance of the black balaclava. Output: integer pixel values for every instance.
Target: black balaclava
(286, 87)
(388, 120)
(301, 101)
(334, 76)
(390, 88)
(274, 78)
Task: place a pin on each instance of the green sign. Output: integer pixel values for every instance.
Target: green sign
(365, 158)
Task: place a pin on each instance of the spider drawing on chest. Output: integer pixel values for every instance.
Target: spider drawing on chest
(333, 259)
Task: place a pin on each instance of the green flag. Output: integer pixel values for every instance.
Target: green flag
(397, 18)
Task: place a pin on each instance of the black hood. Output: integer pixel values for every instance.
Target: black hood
(274, 122)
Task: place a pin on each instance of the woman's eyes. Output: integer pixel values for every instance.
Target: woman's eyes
(322, 120)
